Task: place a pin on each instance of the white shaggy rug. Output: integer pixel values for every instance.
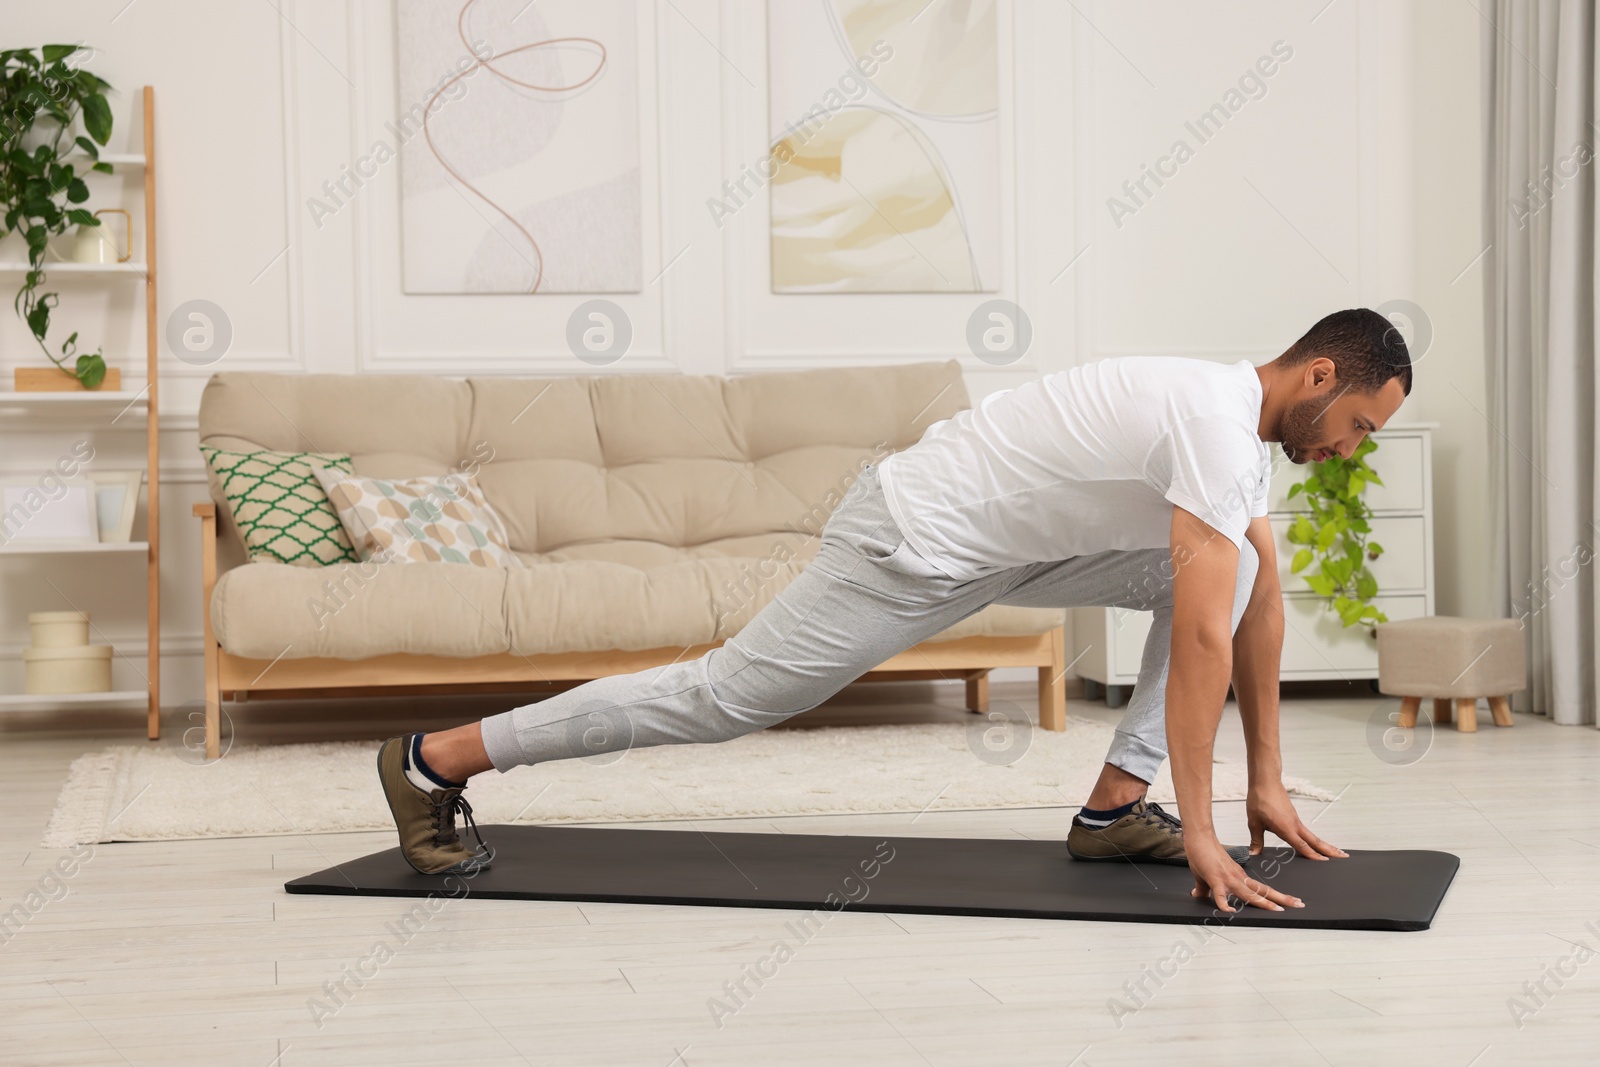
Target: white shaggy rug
(142, 793)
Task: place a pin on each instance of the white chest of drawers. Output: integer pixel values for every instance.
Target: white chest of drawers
(1107, 642)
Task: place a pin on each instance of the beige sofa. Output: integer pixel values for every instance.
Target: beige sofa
(655, 515)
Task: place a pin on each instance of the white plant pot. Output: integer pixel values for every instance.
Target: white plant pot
(14, 249)
(59, 629)
(68, 670)
(43, 131)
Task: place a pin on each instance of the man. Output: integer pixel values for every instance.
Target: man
(1137, 483)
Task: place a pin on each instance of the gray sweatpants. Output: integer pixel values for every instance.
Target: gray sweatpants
(866, 597)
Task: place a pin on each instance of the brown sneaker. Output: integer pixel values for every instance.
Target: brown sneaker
(427, 821)
(1147, 834)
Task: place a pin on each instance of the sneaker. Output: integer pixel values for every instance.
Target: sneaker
(1147, 834)
(427, 820)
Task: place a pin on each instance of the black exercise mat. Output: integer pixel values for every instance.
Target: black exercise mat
(926, 875)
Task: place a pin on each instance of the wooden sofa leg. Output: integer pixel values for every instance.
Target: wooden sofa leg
(213, 713)
(1053, 684)
(978, 692)
(1408, 711)
(1466, 715)
(1443, 711)
(207, 514)
(1502, 710)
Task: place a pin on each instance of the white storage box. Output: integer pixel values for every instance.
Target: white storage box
(59, 629)
(86, 669)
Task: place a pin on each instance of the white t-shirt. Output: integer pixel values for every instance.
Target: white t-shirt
(1084, 461)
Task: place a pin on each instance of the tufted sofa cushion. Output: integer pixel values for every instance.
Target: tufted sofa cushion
(650, 510)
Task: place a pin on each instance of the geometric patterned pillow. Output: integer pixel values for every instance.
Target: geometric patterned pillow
(444, 519)
(279, 508)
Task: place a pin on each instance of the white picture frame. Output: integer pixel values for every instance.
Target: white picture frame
(884, 147)
(38, 510)
(515, 189)
(116, 503)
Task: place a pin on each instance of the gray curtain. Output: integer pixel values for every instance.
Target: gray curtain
(1540, 140)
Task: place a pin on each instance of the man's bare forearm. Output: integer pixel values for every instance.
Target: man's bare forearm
(1197, 684)
(1257, 658)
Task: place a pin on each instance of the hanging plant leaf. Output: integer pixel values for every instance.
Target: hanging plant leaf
(91, 370)
(1320, 584)
(89, 82)
(97, 118)
(38, 319)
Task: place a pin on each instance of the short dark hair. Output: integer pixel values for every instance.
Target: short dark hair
(1366, 348)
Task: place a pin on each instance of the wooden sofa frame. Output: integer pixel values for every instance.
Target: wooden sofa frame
(237, 677)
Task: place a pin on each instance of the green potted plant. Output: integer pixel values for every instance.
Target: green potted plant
(42, 100)
(1334, 536)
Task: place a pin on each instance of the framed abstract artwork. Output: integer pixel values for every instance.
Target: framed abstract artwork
(884, 161)
(518, 126)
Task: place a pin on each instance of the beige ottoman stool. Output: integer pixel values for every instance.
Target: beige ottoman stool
(1452, 660)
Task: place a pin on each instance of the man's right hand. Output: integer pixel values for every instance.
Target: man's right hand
(1218, 877)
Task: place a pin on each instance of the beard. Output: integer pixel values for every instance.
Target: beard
(1300, 428)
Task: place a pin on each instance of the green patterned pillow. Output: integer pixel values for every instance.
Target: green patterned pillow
(278, 506)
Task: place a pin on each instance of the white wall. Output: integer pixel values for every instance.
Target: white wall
(1448, 184)
(1353, 180)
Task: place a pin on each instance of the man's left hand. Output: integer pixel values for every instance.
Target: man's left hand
(1269, 808)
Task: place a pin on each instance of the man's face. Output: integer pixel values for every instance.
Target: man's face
(1330, 419)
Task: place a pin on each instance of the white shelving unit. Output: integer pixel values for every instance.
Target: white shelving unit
(129, 160)
(1107, 643)
(63, 550)
(125, 409)
(130, 267)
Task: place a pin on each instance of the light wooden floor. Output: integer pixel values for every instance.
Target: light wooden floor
(191, 952)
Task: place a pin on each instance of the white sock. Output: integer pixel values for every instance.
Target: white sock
(419, 774)
(1099, 820)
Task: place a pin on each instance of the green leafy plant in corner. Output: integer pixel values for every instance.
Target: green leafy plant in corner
(40, 186)
(1333, 537)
